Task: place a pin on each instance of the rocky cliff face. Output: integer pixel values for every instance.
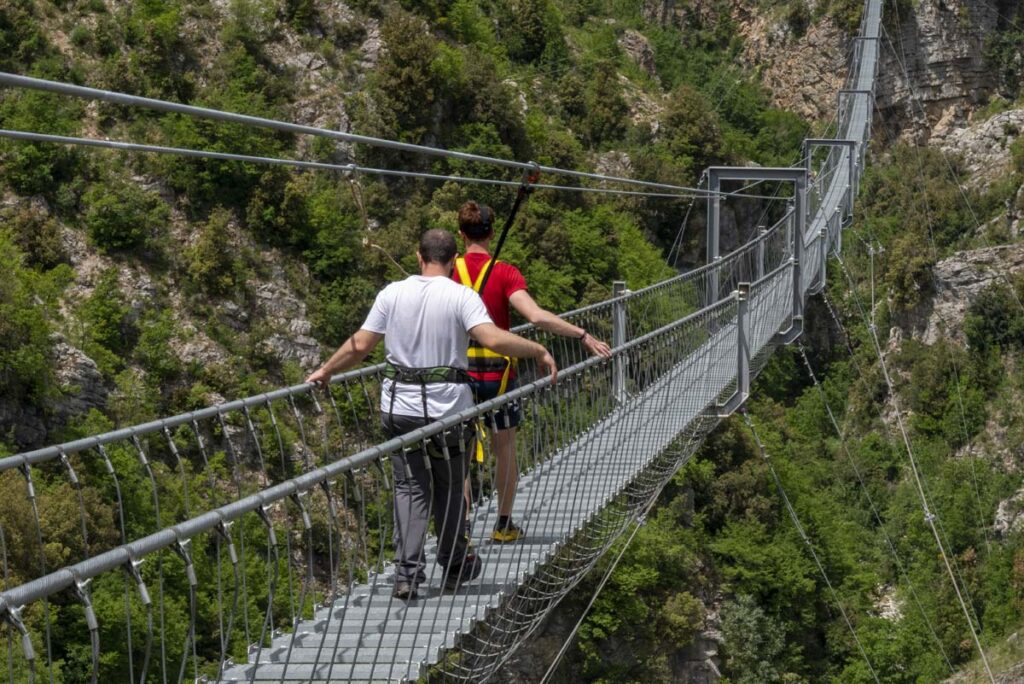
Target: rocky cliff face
(933, 72)
(803, 72)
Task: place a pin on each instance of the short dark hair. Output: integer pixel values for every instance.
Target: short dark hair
(476, 220)
(437, 246)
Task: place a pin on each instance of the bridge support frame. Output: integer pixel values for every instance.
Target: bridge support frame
(795, 175)
(742, 295)
(808, 149)
(619, 339)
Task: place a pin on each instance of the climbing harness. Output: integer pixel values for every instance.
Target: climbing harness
(480, 358)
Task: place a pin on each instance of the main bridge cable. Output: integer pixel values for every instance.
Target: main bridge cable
(929, 516)
(871, 502)
(17, 81)
(325, 166)
(803, 536)
(929, 222)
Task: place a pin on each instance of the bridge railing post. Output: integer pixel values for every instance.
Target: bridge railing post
(824, 237)
(743, 341)
(714, 224)
(799, 222)
(618, 339)
(761, 232)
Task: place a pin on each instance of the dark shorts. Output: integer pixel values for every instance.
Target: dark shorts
(509, 415)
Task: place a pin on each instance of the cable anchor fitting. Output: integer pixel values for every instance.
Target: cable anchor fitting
(132, 568)
(12, 616)
(223, 530)
(181, 549)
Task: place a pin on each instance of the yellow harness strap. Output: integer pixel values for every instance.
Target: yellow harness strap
(482, 352)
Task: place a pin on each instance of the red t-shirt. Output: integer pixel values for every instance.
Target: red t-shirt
(505, 279)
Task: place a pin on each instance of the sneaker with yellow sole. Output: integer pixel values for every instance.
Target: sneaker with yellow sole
(506, 532)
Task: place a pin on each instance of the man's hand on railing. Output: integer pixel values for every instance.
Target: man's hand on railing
(321, 377)
(547, 364)
(596, 346)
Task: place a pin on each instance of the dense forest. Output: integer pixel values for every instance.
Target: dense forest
(153, 272)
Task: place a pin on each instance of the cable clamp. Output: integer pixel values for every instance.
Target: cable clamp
(223, 529)
(132, 568)
(82, 591)
(71, 471)
(181, 549)
(142, 454)
(27, 473)
(530, 176)
(264, 515)
(307, 524)
(929, 517)
(13, 617)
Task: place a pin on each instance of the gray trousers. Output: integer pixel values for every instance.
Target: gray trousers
(425, 484)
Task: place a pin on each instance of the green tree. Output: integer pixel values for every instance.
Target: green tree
(753, 641)
(120, 216)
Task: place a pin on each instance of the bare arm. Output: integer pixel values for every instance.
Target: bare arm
(522, 302)
(350, 353)
(509, 344)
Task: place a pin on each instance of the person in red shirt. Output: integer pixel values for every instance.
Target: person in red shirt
(492, 373)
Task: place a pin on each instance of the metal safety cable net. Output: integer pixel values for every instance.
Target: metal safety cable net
(259, 545)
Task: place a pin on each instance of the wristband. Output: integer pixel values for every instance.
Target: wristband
(584, 335)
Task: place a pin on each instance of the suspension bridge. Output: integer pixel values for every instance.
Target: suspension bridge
(281, 501)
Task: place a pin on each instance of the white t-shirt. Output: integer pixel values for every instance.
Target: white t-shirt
(425, 321)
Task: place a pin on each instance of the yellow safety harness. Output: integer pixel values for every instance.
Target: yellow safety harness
(480, 358)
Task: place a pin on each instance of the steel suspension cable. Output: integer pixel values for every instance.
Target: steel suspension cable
(325, 166)
(929, 516)
(929, 223)
(871, 502)
(14, 80)
(803, 536)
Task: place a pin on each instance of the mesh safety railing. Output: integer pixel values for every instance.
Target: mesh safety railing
(252, 540)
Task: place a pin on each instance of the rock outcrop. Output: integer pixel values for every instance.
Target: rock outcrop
(985, 146)
(938, 74)
(1010, 515)
(802, 73)
(959, 279)
(80, 381)
(638, 49)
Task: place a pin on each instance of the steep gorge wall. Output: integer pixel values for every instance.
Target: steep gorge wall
(934, 73)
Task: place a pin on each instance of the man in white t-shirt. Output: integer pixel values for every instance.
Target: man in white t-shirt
(426, 322)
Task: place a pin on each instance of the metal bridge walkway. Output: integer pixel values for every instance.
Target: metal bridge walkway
(360, 631)
(299, 589)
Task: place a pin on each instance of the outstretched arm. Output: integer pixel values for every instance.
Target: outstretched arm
(350, 353)
(509, 344)
(522, 302)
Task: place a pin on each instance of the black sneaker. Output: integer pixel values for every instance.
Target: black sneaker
(404, 590)
(469, 570)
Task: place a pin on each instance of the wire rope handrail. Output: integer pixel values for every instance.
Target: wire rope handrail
(598, 447)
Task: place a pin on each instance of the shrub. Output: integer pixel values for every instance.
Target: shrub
(37, 234)
(25, 369)
(212, 262)
(104, 316)
(995, 318)
(153, 350)
(119, 215)
(531, 30)
(36, 168)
